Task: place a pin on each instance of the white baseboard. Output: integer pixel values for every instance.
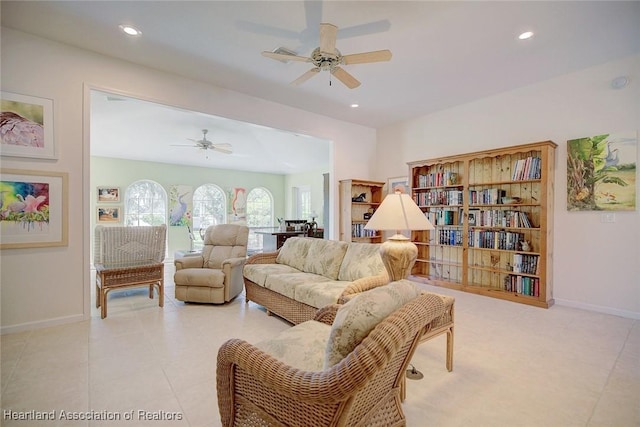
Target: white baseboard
(29, 326)
(598, 308)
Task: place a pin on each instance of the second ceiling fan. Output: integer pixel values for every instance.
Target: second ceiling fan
(327, 58)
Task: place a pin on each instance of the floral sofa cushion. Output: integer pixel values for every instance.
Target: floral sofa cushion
(325, 257)
(258, 273)
(355, 319)
(294, 252)
(361, 260)
(286, 284)
(301, 346)
(319, 294)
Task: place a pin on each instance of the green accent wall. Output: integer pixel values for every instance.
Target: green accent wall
(112, 172)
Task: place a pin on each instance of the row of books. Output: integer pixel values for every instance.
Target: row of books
(499, 218)
(522, 285)
(528, 168)
(490, 239)
(450, 237)
(358, 230)
(437, 179)
(525, 263)
(445, 217)
(489, 196)
(445, 197)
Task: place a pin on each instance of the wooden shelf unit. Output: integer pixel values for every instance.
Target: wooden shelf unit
(352, 214)
(477, 245)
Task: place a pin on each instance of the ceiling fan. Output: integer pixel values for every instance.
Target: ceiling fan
(327, 58)
(205, 144)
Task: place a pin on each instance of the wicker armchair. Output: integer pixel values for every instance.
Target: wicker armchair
(215, 276)
(126, 257)
(362, 389)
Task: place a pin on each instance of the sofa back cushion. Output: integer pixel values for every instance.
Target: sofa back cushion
(294, 252)
(222, 242)
(355, 319)
(325, 257)
(361, 260)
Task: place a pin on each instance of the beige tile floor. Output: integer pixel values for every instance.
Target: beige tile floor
(514, 365)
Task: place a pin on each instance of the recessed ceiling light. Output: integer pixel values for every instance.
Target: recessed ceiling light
(355, 105)
(129, 30)
(526, 35)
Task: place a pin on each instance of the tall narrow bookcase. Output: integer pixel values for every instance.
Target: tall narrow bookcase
(493, 217)
(354, 214)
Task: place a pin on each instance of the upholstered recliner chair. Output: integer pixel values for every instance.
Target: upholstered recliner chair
(344, 368)
(215, 276)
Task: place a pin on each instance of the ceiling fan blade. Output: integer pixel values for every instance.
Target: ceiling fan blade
(363, 29)
(328, 35)
(284, 57)
(306, 76)
(222, 149)
(363, 58)
(346, 78)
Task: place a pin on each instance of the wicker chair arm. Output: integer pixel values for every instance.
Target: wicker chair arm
(189, 262)
(327, 314)
(362, 285)
(263, 258)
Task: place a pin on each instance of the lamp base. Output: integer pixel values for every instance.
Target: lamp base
(398, 256)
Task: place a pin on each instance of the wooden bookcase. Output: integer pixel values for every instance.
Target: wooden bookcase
(353, 214)
(483, 243)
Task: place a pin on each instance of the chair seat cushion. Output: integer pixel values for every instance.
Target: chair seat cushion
(301, 346)
(258, 273)
(207, 277)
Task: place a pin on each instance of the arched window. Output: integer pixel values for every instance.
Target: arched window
(259, 216)
(209, 204)
(145, 203)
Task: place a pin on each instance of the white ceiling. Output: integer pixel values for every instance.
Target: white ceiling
(444, 53)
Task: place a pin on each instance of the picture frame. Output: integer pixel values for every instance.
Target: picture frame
(108, 214)
(471, 217)
(34, 208)
(108, 194)
(397, 181)
(31, 115)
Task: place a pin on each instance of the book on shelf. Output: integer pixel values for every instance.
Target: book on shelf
(358, 230)
(438, 197)
(523, 285)
(525, 263)
(488, 196)
(500, 218)
(494, 239)
(437, 179)
(527, 168)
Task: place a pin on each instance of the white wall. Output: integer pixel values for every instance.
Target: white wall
(41, 287)
(596, 265)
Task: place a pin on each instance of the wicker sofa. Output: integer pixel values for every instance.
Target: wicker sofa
(306, 274)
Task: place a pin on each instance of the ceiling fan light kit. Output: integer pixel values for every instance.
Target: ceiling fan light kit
(327, 58)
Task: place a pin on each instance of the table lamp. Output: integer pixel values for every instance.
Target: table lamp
(398, 212)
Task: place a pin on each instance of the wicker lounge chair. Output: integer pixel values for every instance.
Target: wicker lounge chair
(362, 389)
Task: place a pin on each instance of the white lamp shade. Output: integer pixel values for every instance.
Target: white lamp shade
(398, 212)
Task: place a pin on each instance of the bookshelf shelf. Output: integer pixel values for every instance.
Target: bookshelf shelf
(479, 244)
(352, 214)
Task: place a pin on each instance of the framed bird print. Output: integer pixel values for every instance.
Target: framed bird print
(26, 126)
(180, 205)
(33, 208)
